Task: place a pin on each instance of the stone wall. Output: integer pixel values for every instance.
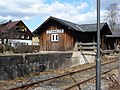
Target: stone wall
(82, 57)
(12, 66)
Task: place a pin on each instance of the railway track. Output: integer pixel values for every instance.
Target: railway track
(77, 78)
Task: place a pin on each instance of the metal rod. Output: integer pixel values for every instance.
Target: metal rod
(98, 61)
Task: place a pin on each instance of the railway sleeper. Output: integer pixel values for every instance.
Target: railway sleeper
(112, 78)
(75, 82)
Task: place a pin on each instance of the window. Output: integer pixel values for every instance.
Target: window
(28, 37)
(17, 36)
(22, 37)
(16, 44)
(25, 29)
(54, 37)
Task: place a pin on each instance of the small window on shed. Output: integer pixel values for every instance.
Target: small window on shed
(54, 37)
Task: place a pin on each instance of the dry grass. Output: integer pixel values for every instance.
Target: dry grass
(114, 87)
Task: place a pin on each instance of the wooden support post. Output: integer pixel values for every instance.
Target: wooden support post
(75, 82)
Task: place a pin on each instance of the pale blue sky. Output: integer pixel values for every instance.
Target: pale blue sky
(35, 12)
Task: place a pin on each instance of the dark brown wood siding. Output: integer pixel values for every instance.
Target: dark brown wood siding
(68, 39)
(65, 42)
(105, 43)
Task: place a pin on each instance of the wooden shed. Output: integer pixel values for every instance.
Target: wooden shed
(60, 35)
(114, 39)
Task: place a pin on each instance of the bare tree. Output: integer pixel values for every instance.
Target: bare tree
(113, 16)
(4, 33)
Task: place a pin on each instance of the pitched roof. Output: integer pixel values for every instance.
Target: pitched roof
(115, 34)
(91, 27)
(5, 27)
(74, 26)
(8, 25)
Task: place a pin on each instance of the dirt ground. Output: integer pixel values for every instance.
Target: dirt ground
(114, 87)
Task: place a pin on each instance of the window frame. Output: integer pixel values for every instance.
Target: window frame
(54, 37)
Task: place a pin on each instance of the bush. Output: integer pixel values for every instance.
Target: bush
(20, 49)
(26, 49)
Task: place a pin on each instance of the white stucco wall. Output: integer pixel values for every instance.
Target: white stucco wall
(17, 42)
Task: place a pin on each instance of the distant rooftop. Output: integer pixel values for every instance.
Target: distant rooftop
(8, 25)
(115, 33)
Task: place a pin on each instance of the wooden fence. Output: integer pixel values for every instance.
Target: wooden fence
(86, 46)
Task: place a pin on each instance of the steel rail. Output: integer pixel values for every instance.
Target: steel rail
(66, 74)
(93, 77)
